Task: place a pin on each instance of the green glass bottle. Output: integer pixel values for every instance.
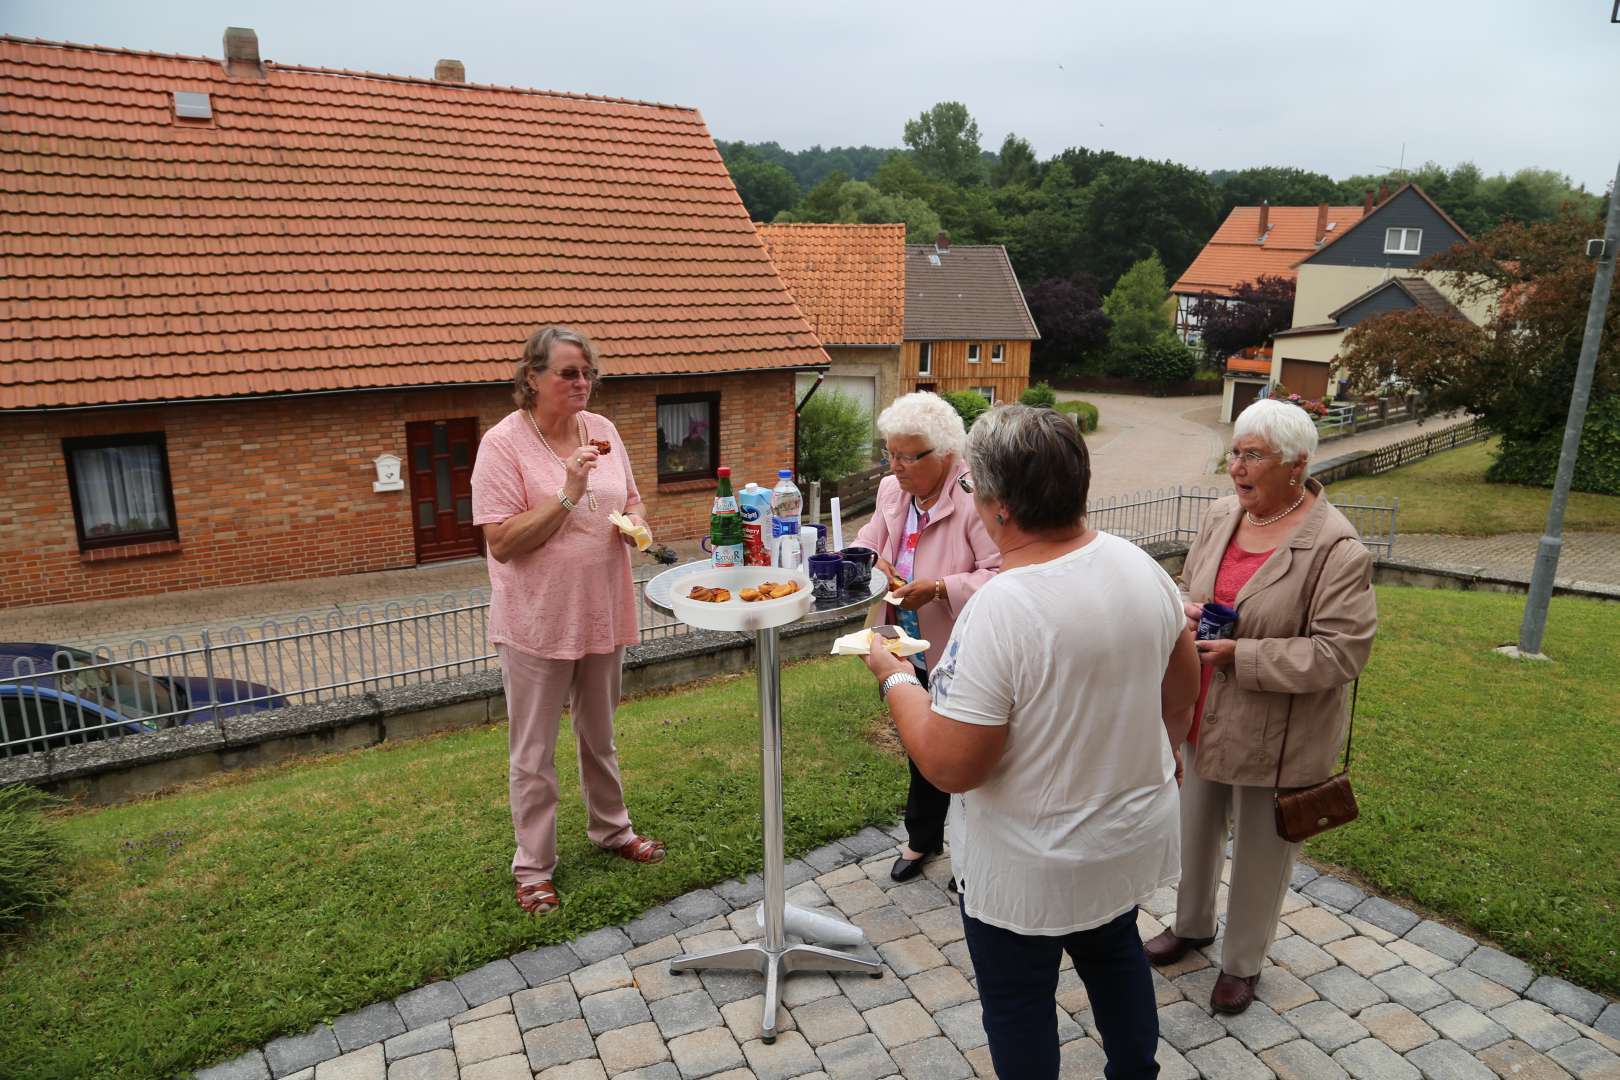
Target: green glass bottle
(725, 524)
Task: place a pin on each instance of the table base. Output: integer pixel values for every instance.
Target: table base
(774, 965)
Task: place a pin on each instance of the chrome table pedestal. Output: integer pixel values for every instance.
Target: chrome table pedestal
(772, 957)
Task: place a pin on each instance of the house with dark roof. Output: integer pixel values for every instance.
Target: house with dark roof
(850, 283)
(967, 326)
(255, 316)
(1370, 269)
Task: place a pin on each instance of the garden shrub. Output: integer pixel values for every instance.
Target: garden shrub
(969, 405)
(1085, 410)
(835, 437)
(1535, 462)
(1040, 395)
(31, 855)
(1164, 362)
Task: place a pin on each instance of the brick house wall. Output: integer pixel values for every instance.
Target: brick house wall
(276, 490)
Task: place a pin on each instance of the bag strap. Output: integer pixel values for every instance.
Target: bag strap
(1305, 625)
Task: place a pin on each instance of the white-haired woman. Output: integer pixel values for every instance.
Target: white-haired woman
(926, 532)
(1301, 581)
(562, 607)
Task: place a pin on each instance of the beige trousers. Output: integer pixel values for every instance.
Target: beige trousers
(536, 691)
(1262, 864)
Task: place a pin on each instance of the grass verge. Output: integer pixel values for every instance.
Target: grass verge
(1447, 493)
(210, 921)
(1489, 787)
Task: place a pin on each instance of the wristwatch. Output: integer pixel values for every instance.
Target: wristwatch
(899, 678)
(567, 503)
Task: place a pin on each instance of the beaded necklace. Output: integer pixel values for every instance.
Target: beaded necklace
(590, 495)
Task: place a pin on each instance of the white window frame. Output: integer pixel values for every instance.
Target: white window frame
(986, 392)
(998, 354)
(925, 358)
(1395, 241)
(973, 354)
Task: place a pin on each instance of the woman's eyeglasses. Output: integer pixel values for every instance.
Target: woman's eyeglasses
(1249, 457)
(965, 482)
(904, 459)
(576, 374)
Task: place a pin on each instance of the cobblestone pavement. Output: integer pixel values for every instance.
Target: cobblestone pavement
(1586, 557)
(1358, 987)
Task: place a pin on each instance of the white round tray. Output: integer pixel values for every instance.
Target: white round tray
(736, 614)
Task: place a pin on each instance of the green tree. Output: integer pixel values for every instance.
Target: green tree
(1279, 185)
(1016, 164)
(1045, 230)
(835, 436)
(945, 139)
(1135, 208)
(1135, 310)
(1165, 361)
(838, 199)
(765, 187)
(969, 405)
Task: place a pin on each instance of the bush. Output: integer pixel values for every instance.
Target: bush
(969, 405)
(1085, 410)
(1164, 362)
(835, 437)
(1597, 467)
(1039, 395)
(31, 855)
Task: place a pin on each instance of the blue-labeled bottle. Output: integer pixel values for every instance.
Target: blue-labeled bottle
(786, 506)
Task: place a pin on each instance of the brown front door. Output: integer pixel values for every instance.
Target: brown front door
(441, 464)
(1307, 378)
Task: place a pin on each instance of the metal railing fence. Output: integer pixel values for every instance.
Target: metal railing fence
(54, 696)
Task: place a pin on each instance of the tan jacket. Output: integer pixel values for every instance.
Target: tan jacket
(1292, 649)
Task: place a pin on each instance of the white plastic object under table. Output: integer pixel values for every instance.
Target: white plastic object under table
(772, 956)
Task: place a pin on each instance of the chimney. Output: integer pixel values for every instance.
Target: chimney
(1367, 202)
(450, 71)
(942, 242)
(1383, 194)
(1265, 218)
(242, 53)
(1321, 222)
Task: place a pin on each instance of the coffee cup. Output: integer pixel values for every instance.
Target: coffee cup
(1217, 621)
(825, 579)
(857, 570)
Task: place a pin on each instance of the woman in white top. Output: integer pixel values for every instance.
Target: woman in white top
(1047, 716)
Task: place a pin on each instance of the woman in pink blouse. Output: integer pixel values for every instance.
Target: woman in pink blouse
(926, 532)
(562, 607)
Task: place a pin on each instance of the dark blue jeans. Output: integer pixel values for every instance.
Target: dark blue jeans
(1018, 976)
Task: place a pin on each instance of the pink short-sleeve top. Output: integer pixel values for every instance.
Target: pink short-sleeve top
(571, 596)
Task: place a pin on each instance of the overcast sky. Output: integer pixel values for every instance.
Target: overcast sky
(1337, 87)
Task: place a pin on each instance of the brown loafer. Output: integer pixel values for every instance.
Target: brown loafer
(1233, 993)
(1167, 948)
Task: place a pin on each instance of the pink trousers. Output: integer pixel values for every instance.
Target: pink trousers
(536, 692)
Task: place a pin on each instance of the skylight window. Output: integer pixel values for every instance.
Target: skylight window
(191, 106)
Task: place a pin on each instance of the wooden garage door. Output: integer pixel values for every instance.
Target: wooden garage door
(1307, 378)
(1243, 395)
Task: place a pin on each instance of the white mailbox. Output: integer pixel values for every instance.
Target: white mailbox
(387, 474)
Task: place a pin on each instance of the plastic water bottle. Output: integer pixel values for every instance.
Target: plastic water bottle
(786, 504)
(725, 525)
(754, 502)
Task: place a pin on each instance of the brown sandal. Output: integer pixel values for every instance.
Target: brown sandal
(642, 849)
(537, 897)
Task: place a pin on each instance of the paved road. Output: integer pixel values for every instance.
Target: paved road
(1357, 986)
(1586, 556)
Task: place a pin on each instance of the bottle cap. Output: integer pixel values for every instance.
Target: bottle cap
(784, 474)
(724, 470)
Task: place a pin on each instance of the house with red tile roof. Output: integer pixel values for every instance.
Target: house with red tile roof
(1254, 241)
(256, 316)
(850, 282)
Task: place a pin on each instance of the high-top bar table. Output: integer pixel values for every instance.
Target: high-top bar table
(772, 957)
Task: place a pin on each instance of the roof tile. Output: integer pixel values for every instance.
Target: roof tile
(1236, 253)
(849, 280)
(965, 292)
(336, 229)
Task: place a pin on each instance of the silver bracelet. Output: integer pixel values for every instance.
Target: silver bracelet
(567, 503)
(899, 678)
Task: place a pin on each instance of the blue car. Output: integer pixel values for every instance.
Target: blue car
(53, 695)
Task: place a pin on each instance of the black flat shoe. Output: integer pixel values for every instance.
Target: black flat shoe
(905, 869)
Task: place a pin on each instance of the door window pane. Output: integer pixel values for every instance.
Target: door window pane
(424, 515)
(464, 510)
(441, 439)
(419, 459)
(441, 483)
(458, 455)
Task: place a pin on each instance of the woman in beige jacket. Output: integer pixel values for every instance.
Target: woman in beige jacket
(1301, 581)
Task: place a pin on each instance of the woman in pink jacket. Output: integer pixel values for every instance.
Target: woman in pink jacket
(927, 532)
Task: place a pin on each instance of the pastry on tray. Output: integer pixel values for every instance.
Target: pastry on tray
(769, 590)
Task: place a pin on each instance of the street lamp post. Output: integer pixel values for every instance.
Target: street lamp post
(1534, 625)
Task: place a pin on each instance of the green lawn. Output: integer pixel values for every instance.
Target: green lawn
(1447, 493)
(1489, 787)
(210, 921)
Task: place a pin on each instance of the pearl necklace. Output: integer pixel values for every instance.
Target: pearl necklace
(590, 495)
(1257, 523)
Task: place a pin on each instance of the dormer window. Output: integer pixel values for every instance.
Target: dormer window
(1402, 241)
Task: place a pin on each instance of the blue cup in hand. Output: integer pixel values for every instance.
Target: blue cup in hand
(1217, 621)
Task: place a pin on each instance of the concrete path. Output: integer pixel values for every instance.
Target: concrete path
(1587, 557)
(1357, 987)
